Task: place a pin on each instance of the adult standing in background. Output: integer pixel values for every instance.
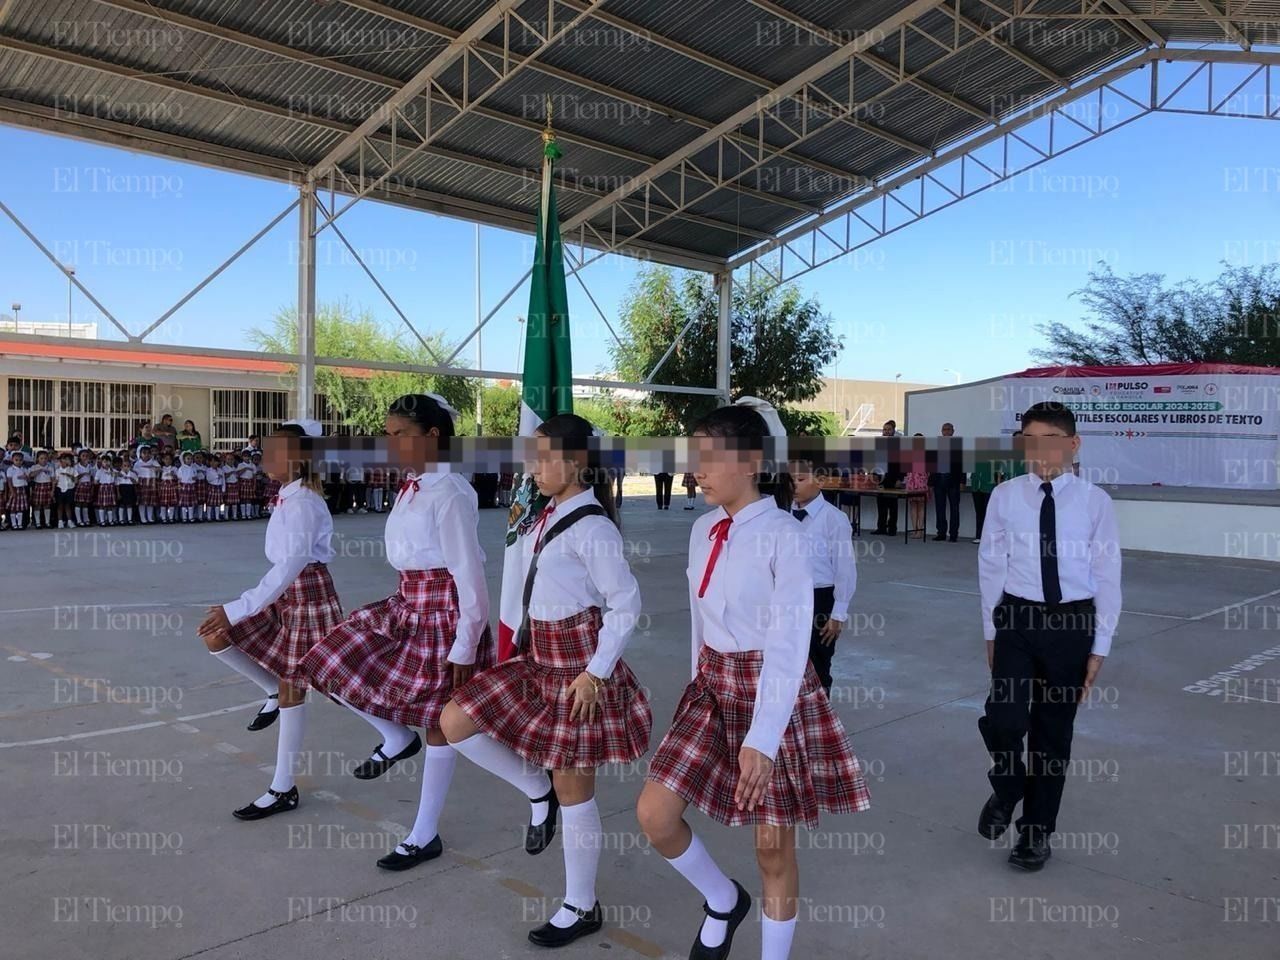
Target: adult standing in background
(946, 488)
(166, 433)
(982, 480)
(662, 483)
(145, 437)
(890, 472)
(189, 438)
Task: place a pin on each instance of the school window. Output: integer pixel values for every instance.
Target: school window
(240, 413)
(59, 413)
(31, 410)
(332, 420)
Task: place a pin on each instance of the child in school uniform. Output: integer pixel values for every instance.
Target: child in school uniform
(126, 490)
(754, 740)
(377, 488)
(566, 702)
(65, 495)
(231, 485)
(396, 662)
(187, 487)
(202, 486)
(86, 468)
(147, 469)
(260, 483)
(167, 491)
(104, 479)
(831, 560)
(1049, 575)
(264, 634)
(17, 497)
(40, 476)
(216, 497)
(248, 474)
(690, 490)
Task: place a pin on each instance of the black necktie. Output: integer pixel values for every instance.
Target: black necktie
(800, 514)
(1049, 546)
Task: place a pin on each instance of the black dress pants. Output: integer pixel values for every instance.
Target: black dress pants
(1041, 653)
(820, 654)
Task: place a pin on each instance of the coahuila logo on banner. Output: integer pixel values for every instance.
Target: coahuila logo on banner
(1069, 391)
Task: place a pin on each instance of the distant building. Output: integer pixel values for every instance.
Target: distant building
(48, 328)
(862, 406)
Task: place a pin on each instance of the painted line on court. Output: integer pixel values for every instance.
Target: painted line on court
(114, 606)
(1238, 603)
(176, 722)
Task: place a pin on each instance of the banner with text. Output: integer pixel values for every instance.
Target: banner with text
(1186, 429)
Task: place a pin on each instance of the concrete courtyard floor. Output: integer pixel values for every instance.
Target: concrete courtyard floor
(124, 750)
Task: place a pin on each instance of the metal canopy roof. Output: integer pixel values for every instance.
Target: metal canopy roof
(693, 130)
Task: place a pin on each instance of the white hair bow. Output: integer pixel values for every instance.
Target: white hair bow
(767, 411)
(446, 407)
(312, 428)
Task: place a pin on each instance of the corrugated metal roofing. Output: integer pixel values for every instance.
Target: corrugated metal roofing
(274, 86)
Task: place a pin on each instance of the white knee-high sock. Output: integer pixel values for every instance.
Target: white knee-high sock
(582, 834)
(395, 736)
(437, 774)
(292, 724)
(697, 866)
(246, 666)
(510, 766)
(775, 937)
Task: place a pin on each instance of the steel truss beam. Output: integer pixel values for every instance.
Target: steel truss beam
(1015, 146)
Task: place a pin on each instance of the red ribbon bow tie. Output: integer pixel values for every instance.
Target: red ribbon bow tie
(408, 484)
(276, 501)
(541, 526)
(719, 534)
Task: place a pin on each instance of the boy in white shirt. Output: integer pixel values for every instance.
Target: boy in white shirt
(1049, 573)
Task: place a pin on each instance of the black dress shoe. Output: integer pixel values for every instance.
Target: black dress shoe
(380, 763)
(537, 839)
(995, 818)
(265, 718)
(938, 538)
(952, 539)
(549, 935)
(699, 950)
(283, 803)
(395, 860)
(1032, 850)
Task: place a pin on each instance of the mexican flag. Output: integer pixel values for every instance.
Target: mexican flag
(547, 389)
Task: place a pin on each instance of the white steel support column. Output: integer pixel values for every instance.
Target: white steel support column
(724, 326)
(306, 382)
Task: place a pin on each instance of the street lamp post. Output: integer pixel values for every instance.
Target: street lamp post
(16, 308)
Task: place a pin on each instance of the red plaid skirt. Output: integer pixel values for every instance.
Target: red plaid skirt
(187, 495)
(280, 636)
(391, 658)
(41, 496)
(202, 491)
(214, 496)
(17, 500)
(815, 768)
(259, 489)
(521, 703)
(106, 495)
(147, 491)
(270, 490)
(168, 493)
(231, 494)
(84, 493)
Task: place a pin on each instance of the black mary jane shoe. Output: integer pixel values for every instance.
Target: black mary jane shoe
(284, 802)
(588, 922)
(265, 718)
(1032, 849)
(380, 763)
(537, 839)
(699, 950)
(995, 818)
(395, 860)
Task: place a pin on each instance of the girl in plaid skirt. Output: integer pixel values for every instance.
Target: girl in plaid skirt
(126, 490)
(188, 474)
(17, 498)
(231, 486)
(105, 482)
(566, 702)
(396, 662)
(167, 492)
(85, 469)
(41, 476)
(754, 739)
(147, 467)
(264, 634)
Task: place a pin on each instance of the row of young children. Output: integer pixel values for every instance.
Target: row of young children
(112, 489)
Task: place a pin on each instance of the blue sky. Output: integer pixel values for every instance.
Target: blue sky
(963, 289)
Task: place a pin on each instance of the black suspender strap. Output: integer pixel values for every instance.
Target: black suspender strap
(588, 510)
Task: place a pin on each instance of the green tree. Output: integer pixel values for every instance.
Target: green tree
(501, 413)
(780, 342)
(1139, 319)
(361, 397)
